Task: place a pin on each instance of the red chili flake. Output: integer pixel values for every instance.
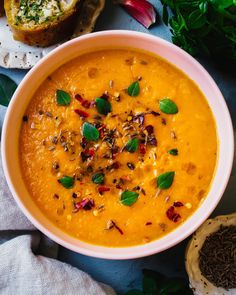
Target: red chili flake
(148, 223)
(81, 113)
(78, 97)
(178, 204)
(88, 153)
(111, 224)
(84, 102)
(142, 149)
(83, 142)
(115, 165)
(149, 129)
(86, 204)
(118, 228)
(172, 215)
(101, 130)
(118, 186)
(103, 189)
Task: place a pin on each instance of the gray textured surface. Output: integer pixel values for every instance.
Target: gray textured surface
(123, 275)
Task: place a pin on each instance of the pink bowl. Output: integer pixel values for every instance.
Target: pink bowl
(92, 42)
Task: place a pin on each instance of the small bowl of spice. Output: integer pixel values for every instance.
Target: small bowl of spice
(210, 257)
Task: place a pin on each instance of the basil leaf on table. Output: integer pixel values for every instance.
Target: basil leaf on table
(149, 285)
(167, 106)
(128, 198)
(90, 132)
(7, 89)
(165, 180)
(63, 98)
(172, 286)
(134, 292)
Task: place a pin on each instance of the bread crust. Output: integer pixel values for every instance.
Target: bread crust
(44, 34)
(1, 7)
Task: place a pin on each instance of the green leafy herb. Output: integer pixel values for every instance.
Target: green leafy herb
(98, 178)
(7, 89)
(90, 132)
(103, 106)
(173, 152)
(205, 27)
(155, 283)
(63, 98)
(128, 198)
(134, 89)
(167, 106)
(67, 181)
(132, 145)
(134, 292)
(165, 180)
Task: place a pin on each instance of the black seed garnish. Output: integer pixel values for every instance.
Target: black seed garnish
(74, 195)
(217, 257)
(150, 129)
(130, 166)
(55, 196)
(25, 118)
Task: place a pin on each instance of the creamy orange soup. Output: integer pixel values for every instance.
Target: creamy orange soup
(118, 147)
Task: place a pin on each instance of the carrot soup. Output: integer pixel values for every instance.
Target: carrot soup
(118, 147)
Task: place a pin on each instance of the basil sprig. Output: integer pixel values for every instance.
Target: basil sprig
(167, 106)
(98, 178)
(7, 89)
(128, 198)
(90, 132)
(155, 283)
(133, 89)
(103, 106)
(132, 145)
(165, 180)
(63, 98)
(67, 181)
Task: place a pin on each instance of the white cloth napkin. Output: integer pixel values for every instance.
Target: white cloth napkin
(25, 266)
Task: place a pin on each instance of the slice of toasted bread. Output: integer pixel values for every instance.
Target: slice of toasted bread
(1, 7)
(42, 22)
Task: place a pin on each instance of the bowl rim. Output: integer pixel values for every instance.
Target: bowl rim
(142, 250)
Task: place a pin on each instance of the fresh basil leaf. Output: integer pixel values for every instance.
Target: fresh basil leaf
(98, 178)
(173, 152)
(90, 132)
(172, 286)
(165, 180)
(67, 181)
(128, 198)
(167, 106)
(103, 106)
(149, 285)
(160, 278)
(165, 15)
(132, 145)
(203, 7)
(134, 89)
(134, 292)
(63, 98)
(7, 89)
(196, 19)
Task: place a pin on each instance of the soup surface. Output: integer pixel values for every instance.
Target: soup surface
(118, 147)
